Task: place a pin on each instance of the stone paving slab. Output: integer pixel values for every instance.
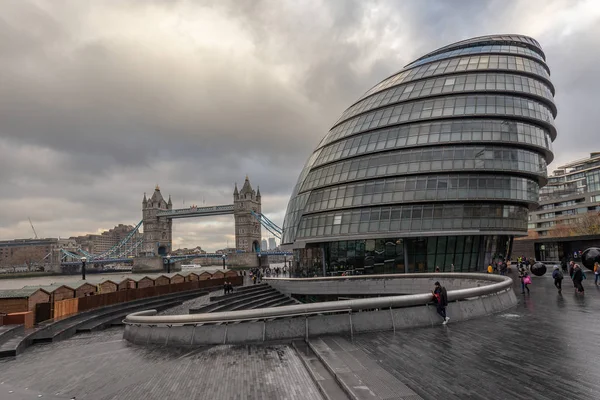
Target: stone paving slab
(326, 382)
(362, 378)
(102, 366)
(12, 393)
(544, 349)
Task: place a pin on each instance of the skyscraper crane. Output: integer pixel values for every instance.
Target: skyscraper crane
(34, 232)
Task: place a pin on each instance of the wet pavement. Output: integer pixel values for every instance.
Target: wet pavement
(545, 348)
(548, 347)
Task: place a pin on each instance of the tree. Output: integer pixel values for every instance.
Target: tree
(588, 224)
(561, 230)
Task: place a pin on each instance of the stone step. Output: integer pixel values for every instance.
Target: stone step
(240, 290)
(262, 302)
(109, 320)
(67, 326)
(325, 380)
(239, 304)
(67, 330)
(228, 299)
(360, 377)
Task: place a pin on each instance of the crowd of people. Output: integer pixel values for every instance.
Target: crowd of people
(256, 274)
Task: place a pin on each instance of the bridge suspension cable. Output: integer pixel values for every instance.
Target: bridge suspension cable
(124, 248)
(268, 224)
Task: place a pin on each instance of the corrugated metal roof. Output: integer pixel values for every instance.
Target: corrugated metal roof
(19, 293)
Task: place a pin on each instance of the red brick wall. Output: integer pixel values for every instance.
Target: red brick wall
(25, 318)
(63, 293)
(145, 282)
(38, 297)
(161, 280)
(127, 284)
(86, 289)
(108, 287)
(13, 305)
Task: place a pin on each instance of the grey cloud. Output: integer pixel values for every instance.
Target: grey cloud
(93, 118)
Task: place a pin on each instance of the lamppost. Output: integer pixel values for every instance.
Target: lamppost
(83, 260)
(224, 257)
(168, 264)
(258, 260)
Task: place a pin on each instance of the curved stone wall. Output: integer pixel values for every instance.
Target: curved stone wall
(470, 296)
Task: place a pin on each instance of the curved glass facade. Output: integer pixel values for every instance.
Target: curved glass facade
(435, 166)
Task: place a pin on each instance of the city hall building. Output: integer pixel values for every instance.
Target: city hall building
(436, 166)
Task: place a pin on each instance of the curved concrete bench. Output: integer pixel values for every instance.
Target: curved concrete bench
(471, 296)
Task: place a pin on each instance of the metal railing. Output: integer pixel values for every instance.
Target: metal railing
(497, 284)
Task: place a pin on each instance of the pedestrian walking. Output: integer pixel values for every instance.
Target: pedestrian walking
(596, 273)
(440, 296)
(558, 277)
(578, 277)
(525, 279)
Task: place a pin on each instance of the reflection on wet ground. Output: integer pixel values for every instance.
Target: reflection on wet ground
(545, 348)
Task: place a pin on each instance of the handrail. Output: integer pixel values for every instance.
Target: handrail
(498, 283)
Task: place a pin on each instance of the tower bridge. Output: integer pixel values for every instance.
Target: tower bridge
(157, 224)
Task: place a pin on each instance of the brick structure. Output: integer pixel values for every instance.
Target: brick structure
(145, 282)
(127, 283)
(217, 275)
(20, 300)
(57, 292)
(107, 286)
(83, 288)
(204, 276)
(161, 280)
(157, 230)
(191, 277)
(247, 227)
(177, 278)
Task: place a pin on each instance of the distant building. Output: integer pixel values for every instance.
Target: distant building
(572, 190)
(98, 244)
(554, 228)
(186, 251)
(227, 250)
(21, 251)
(263, 245)
(272, 244)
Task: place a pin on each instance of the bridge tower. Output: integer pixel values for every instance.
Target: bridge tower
(157, 230)
(247, 228)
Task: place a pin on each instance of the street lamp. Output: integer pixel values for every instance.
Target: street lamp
(83, 260)
(168, 264)
(224, 256)
(258, 260)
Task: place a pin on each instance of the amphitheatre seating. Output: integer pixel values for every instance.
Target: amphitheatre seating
(15, 340)
(246, 298)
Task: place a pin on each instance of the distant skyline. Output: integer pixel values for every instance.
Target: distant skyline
(103, 100)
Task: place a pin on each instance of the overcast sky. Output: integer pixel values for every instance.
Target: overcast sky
(102, 100)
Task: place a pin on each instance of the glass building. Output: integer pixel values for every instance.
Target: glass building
(435, 166)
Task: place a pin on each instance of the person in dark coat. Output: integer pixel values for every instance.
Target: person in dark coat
(558, 277)
(441, 299)
(578, 277)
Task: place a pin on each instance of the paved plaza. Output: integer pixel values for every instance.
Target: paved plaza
(545, 348)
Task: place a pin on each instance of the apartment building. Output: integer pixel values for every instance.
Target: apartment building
(572, 190)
